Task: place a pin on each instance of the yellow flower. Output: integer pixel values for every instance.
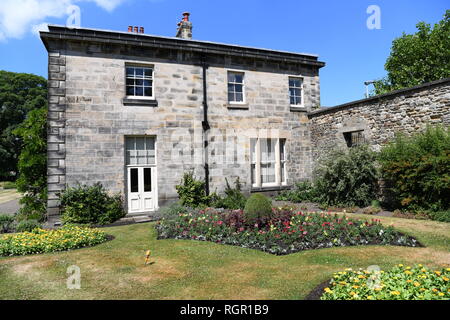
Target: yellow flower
(352, 293)
(438, 273)
(448, 269)
(416, 284)
(423, 270)
(409, 281)
(408, 268)
(355, 287)
(400, 265)
(441, 294)
(408, 272)
(328, 290)
(445, 278)
(435, 290)
(395, 293)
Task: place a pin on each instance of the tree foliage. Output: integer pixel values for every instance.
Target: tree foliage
(418, 58)
(33, 163)
(19, 94)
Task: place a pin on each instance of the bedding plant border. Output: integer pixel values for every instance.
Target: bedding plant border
(286, 231)
(398, 283)
(38, 241)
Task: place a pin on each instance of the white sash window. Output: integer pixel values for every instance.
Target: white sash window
(268, 162)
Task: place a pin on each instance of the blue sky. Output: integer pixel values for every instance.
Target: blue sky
(335, 30)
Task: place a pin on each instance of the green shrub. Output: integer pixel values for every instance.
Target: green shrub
(234, 198)
(9, 185)
(43, 241)
(27, 225)
(443, 216)
(173, 210)
(417, 170)
(6, 222)
(347, 177)
(90, 205)
(257, 208)
(192, 192)
(303, 192)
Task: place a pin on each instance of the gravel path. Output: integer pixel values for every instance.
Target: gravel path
(10, 207)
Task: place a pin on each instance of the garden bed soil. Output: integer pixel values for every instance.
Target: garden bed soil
(317, 292)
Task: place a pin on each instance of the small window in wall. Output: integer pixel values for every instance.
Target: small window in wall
(268, 162)
(295, 91)
(140, 151)
(139, 81)
(354, 138)
(235, 87)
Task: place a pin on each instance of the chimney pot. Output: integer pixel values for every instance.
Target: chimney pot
(141, 30)
(136, 29)
(130, 28)
(184, 30)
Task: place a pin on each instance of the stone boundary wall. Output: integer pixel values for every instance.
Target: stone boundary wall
(381, 117)
(56, 141)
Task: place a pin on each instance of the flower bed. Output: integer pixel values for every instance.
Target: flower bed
(43, 241)
(288, 231)
(399, 283)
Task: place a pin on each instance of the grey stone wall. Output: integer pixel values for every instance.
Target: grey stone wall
(407, 111)
(56, 150)
(93, 121)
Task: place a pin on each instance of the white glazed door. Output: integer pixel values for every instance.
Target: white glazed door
(141, 189)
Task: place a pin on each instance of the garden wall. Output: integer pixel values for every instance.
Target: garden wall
(380, 118)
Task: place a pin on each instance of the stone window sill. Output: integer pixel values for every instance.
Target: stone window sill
(139, 102)
(238, 106)
(273, 188)
(298, 109)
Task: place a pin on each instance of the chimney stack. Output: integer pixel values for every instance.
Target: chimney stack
(184, 30)
(136, 29)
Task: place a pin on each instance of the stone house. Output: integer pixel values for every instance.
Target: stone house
(136, 111)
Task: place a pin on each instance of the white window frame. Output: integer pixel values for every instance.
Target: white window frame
(280, 164)
(135, 65)
(145, 145)
(243, 87)
(301, 105)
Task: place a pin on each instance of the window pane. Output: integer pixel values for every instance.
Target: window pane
(231, 77)
(231, 97)
(130, 91)
(139, 73)
(147, 179)
(238, 77)
(139, 91)
(148, 92)
(238, 88)
(253, 173)
(134, 180)
(130, 82)
(148, 73)
(239, 97)
(147, 83)
(130, 72)
(282, 149)
(268, 173)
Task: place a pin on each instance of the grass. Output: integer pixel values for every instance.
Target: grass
(184, 269)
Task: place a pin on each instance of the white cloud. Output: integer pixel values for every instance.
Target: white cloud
(17, 17)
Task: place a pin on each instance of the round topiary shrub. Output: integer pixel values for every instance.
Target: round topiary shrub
(258, 209)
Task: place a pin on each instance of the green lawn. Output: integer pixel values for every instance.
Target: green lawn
(201, 270)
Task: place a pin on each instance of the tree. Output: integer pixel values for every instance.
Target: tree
(418, 58)
(19, 94)
(33, 164)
